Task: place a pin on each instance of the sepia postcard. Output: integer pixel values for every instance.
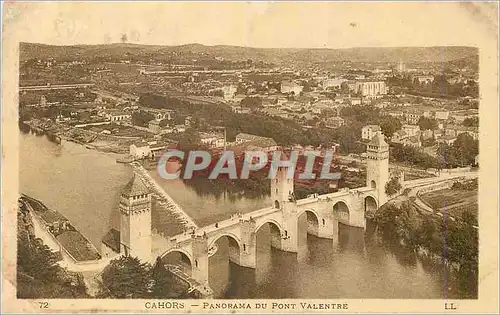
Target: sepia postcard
(249, 157)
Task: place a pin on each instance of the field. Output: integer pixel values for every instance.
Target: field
(453, 201)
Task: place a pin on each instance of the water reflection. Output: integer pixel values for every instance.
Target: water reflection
(351, 268)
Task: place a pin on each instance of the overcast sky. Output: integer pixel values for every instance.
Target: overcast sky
(258, 24)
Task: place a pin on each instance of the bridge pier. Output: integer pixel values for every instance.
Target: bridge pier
(328, 227)
(200, 260)
(248, 248)
(357, 215)
(289, 235)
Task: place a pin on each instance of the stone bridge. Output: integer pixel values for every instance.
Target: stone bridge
(324, 213)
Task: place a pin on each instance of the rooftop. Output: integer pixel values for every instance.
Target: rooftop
(378, 140)
(78, 246)
(135, 187)
(112, 240)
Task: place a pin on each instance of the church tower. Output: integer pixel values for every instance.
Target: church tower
(377, 166)
(135, 220)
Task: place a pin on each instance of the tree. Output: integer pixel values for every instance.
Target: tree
(164, 285)
(471, 122)
(251, 102)
(125, 277)
(461, 153)
(390, 125)
(392, 187)
(189, 139)
(38, 274)
(427, 123)
(142, 118)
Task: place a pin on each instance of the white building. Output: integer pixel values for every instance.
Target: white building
(369, 88)
(424, 79)
(442, 114)
(411, 130)
(333, 83)
(140, 150)
(256, 142)
(117, 115)
(212, 140)
(154, 126)
(369, 131)
(229, 92)
(290, 86)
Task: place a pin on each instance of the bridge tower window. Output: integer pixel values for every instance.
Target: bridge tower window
(196, 263)
(286, 233)
(276, 190)
(323, 221)
(276, 204)
(244, 247)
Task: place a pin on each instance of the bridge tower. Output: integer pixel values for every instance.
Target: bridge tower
(281, 187)
(135, 220)
(377, 166)
(283, 197)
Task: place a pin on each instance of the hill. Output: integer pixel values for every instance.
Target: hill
(238, 53)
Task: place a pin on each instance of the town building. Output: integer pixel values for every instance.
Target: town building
(240, 110)
(140, 150)
(401, 67)
(411, 130)
(427, 134)
(334, 122)
(399, 136)
(117, 115)
(251, 142)
(448, 139)
(369, 88)
(369, 131)
(355, 100)
(423, 79)
(412, 116)
(291, 87)
(229, 92)
(212, 139)
(154, 126)
(332, 83)
(441, 114)
(438, 133)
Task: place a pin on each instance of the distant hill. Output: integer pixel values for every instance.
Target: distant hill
(237, 53)
(471, 62)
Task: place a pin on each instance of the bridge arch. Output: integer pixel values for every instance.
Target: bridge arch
(342, 211)
(179, 257)
(276, 232)
(233, 239)
(271, 222)
(370, 205)
(313, 220)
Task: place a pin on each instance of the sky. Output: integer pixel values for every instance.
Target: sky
(256, 24)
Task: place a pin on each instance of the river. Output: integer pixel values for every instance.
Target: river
(82, 184)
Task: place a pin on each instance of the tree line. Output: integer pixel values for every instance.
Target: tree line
(455, 242)
(38, 274)
(128, 278)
